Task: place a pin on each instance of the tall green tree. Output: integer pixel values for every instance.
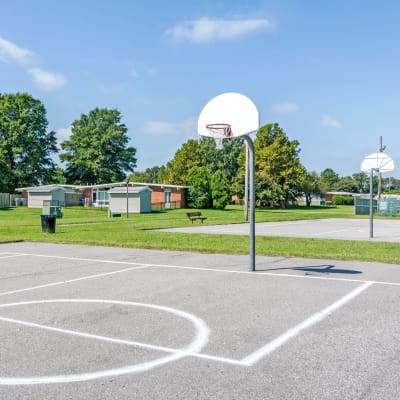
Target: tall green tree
(199, 194)
(220, 190)
(150, 175)
(346, 184)
(310, 186)
(97, 150)
(26, 148)
(362, 180)
(277, 158)
(57, 177)
(188, 156)
(328, 179)
(225, 160)
(162, 174)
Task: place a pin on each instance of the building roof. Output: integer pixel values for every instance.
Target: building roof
(118, 184)
(342, 193)
(131, 189)
(45, 188)
(102, 186)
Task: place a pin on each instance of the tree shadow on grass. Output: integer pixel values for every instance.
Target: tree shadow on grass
(321, 269)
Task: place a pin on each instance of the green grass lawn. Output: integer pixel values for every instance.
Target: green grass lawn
(92, 227)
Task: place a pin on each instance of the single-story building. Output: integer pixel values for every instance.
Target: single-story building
(63, 195)
(129, 200)
(162, 195)
(54, 194)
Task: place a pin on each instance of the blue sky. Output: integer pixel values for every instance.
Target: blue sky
(327, 72)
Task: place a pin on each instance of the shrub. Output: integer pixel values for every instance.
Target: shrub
(343, 200)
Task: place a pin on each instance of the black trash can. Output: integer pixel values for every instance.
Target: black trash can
(48, 223)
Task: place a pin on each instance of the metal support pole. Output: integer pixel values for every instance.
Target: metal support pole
(127, 198)
(371, 206)
(252, 200)
(246, 186)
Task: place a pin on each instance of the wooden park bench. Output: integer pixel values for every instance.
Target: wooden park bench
(195, 215)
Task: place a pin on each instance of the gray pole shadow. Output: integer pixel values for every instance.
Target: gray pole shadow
(320, 269)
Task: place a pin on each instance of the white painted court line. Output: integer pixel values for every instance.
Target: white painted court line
(10, 255)
(203, 330)
(46, 285)
(248, 361)
(327, 232)
(215, 270)
(117, 341)
(261, 273)
(199, 340)
(79, 259)
(295, 331)
(305, 234)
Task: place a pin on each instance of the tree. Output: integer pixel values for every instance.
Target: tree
(57, 177)
(187, 157)
(25, 145)
(162, 174)
(346, 184)
(220, 190)
(277, 158)
(269, 193)
(199, 195)
(362, 180)
(97, 150)
(310, 186)
(225, 160)
(150, 175)
(328, 178)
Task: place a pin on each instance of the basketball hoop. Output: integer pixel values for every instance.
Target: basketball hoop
(219, 132)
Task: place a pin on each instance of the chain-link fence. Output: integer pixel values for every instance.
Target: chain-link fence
(361, 206)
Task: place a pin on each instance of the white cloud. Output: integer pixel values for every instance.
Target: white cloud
(10, 51)
(285, 107)
(186, 127)
(143, 72)
(330, 122)
(46, 80)
(63, 134)
(151, 71)
(206, 29)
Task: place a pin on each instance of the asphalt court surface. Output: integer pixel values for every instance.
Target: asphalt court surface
(385, 230)
(81, 322)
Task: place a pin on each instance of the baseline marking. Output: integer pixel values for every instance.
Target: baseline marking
(216, 270)
(295, 331)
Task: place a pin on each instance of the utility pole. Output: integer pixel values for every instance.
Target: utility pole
(381, 150)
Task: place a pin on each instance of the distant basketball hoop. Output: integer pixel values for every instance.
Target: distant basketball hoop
(219, 132)
(376, 162)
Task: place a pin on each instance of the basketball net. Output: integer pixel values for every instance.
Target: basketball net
(219, 132)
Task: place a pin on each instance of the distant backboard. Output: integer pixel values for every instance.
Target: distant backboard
(377, 162)
(233, 109)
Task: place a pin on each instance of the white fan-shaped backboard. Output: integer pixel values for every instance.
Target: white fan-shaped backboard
(234, 109)
(379, 162)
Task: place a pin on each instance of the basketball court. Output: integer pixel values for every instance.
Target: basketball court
(107, 323)
(385, 230)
